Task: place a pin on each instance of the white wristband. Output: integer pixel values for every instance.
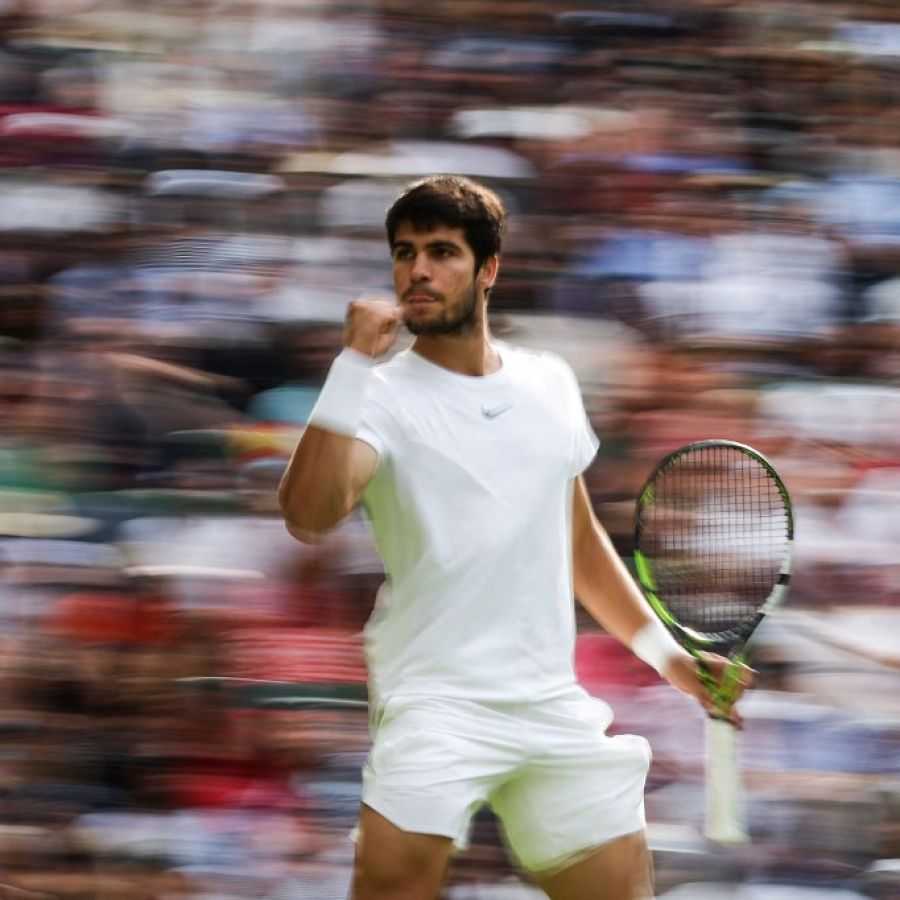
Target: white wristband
(655, 645)
(339, 405)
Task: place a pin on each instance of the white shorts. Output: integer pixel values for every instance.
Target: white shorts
(557, 782)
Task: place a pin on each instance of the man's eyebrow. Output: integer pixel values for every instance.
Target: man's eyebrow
(437, 244)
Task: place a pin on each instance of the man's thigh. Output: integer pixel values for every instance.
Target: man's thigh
(619, 870)
(434, 763)
(580, 790)
(397, 864)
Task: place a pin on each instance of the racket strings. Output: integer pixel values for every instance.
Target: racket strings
(716, 532)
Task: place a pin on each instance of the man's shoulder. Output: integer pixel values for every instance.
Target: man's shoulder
(535, 358)
(404, 368)
(394, 367)
(394, 377)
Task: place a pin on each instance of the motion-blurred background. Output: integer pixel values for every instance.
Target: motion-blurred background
(705, 220)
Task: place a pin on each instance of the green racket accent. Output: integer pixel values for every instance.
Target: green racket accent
(647, 495)
(686, 636)
(723, 693)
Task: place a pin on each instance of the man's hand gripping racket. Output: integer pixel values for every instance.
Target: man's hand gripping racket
(713, 540)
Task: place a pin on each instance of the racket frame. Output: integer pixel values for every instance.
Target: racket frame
(732, 640)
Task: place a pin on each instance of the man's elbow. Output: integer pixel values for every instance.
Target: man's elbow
(300, 523)
(310, 515)
(308, 524)
(303, 534)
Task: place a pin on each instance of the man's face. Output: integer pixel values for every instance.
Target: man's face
(435, 280)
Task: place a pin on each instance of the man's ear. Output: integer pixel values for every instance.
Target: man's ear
(487, 275)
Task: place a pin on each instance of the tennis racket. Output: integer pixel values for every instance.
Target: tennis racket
(713, 539)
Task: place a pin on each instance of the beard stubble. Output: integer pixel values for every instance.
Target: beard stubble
(459, 320)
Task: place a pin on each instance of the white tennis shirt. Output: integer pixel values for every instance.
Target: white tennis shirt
(470, 508)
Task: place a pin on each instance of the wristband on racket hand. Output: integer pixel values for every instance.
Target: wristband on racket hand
(655, 645)
(339, 406)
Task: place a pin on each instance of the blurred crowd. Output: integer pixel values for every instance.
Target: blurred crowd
(705, 221)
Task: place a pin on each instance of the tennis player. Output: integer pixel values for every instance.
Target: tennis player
(466, 456)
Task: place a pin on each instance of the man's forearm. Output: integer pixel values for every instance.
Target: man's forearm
(607, 591)
(605, 588)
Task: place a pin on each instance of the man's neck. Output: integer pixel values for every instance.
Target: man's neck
(471, 354)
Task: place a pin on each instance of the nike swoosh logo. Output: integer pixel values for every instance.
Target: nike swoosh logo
(495, 411)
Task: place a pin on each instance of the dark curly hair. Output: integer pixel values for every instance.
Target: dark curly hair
(454, 201)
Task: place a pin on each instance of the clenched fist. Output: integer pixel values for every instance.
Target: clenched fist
(371, 325)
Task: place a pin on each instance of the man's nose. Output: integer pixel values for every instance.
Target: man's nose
(420, 270)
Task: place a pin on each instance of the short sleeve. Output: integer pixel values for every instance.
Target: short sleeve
(377, 423)
(585, 442)
(586, 448)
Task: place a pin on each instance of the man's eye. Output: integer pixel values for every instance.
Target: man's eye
(401, 253)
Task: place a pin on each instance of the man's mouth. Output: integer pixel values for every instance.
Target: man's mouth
(419, 299)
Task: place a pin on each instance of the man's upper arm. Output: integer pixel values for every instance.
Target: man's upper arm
(324, 481)
(584, 522)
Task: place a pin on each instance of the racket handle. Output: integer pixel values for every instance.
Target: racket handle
(724, 813)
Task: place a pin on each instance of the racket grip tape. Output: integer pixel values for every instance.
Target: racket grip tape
(724, 802)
